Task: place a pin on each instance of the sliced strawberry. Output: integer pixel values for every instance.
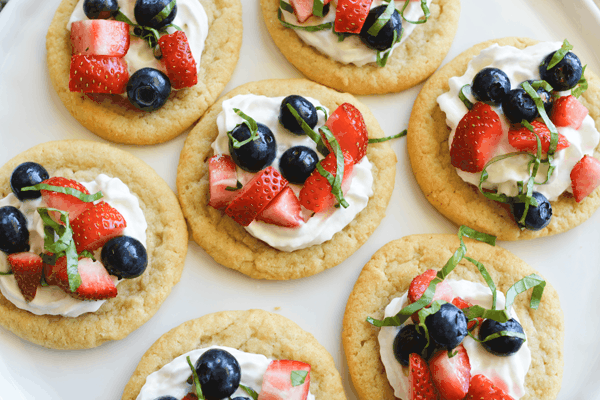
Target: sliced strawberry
(350, 15)
(568, 111)
(419, 378)
(462, 304)
(481, 388)
(255, 196)
(96, 283)
(585, 177)
(27, 269)
(451, 375)
(477, 135)
(96, 226)
(190, 396)
(348, 126)
(65, 202)
(524, 140)
(178, 59)
(284, 210)
(303, 9)
(277, 381)
(100, 37)
(98, 74)
(420, 283)
(221, 175)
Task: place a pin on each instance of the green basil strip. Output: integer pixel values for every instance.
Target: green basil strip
(476, 235)
(341, 36)
(164, 14)
(308, 28)
(425, 312)
(123, 18)
(480, 312)
(324, 111)
(486, 277)
(560, 54)
(542, 84)
(252, 126)
(49, 259)
(233, 189)
(542, 111)
(531, 180)
(286, 6)
(463, 97)
(250, 391)
(582, 85)
(72, 269)
(425, 9)
(87, 254)
(173, 26)
(503, 333)
(7, 273)
(383, 19)
(196, 379)
(527, 125)
(530, 281)
(87, 198)
(335, 182)
(385, 139)
(321, 148)
(382, 56)
(318, 8)
(298, 377)
(502, 198)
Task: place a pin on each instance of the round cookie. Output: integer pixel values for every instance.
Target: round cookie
(410, 63)
(389, 274)
(113, 118)
(252, 331)
(228, 243)
(457, 200)
(138, 299)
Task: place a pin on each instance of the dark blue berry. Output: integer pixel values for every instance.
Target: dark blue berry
(100, 9)
(124, 257)
(166, 398)
(240, 397)
(256, 154)
(518, 105)
(385, 38)
(145, 12)
(297, 163)
(27, 174)
(448, 326)
(504, 345)
(408, 341)
(148, 89)
(490, 85)
(546, 97)
(565, 74)
(14, 235)
(305, 109)
(219, 373)
(537, 217)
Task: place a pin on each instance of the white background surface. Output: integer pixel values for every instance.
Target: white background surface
(31, 113)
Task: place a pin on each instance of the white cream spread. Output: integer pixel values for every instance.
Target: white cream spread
(323, 225)
(352, 50)
(511, 370)
(519, 65)
(51, 300)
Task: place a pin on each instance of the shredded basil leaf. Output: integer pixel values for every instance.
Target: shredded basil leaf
(318, 8)
(197, 386)
(308, 28)
(385, 139)
(425, 9)
(426, 312)
(164, 13)
(530, 281)
(87, 198)
(233, 189)
(335, 182)
(173, 26)
(542, 111)
(286, 6)
(501, 334)
(582, 85)
(298, 377)
(382, 20)
(252, 127)
(321, 148)
(87, 254)
(560, 54)
(6, 273)
(324, 111)
(123, 18)
(250, 391)
(486, 277)
(463, 97)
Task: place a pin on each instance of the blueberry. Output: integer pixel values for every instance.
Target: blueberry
(385, 38)
(145, 11)
(148, 89)
(256, 154)
(100, 9)
(219, 373)
(305, 109)
(14, 235)
(166, 398)
(124, 257)
(27, 174)
(408, 341)
(297, 163)
(546, 97)
(240, 397)
(504, 345)
(448, 326)
(490, 85)
(565, 74)
(537, 217)
(518, 105)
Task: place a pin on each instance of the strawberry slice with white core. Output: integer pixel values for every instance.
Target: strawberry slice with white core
(27, 269)
(420, 283)
(96, 283)
(585, 177)
(285, 380)
(348, 126)
(65, 202)
(100, 37)
(96, 226)
(221, 175)
(303, 9)
(451, 375)
(284, 210)
(419, 378)
(568, 111)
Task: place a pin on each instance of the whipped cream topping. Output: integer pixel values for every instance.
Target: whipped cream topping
(511, 370)
(171, 380)
(519, 65)
(352, 50)
(321, 226)
(51, 300)
(191, 18)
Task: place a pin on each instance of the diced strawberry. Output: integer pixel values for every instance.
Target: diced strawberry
(477, 135)
(420, 283)
(316, 194)
(585, 177)
(65, 202)
(255, 196)
(284, 210)
(190, 396)
(568, 111)
(350, 15)
(419, 378)
(96, 283)
(96, 226)
(178, 59)
(524, 140)
(27, 269)
(277, 381)
(451, 375)
(98, 74)
(460, 303)
(303, 9)
(481, 388)
(348, 126)
(100, 37)
(221, 175)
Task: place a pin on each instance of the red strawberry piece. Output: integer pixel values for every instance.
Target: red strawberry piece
(460, 303)
(419, 378)
(27, 269)
(316, 194)
(221, 175)
(420, 283)
(98, 74)
(585, 177)
(100, 37)
(350, 15)
(303, 9)
(348, 126)
(277, 381)
(96, 226)
(190, 396)
(477, 135)
(96, 283)
(524, 140)
(255, 196)
(284, 210)
(568, 111)
(451, 375)
(65, 202)
(481, 388)
(178, 59)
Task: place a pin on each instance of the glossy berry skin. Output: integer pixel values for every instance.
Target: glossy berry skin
(408, 341)
(14, 235)
(145, 11)
(100, 9)
(448, 326)
(565, 74)
(241, 398)
(256, 154)
(297, 163)
(490, 85)
(305, 109)
(504, 345)
(27, 174)
(124, 257)
(518, 105)
(219, 373)
(148, 89)
(546, 97)
(385, 38)
(166, 398)
(537, 217)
